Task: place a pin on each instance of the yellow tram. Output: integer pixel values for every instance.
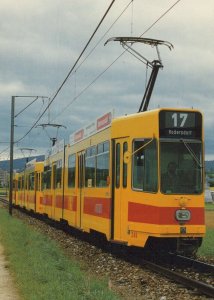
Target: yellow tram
(29, 187)
(133, 204)
(136, 179)
(53, 189)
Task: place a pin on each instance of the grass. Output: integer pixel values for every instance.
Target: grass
(4, 191)
(41, 269)
(209, 206)
(207, 246)
(208, 241)
(43, 272)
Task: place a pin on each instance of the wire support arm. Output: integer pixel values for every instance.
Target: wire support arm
(155, 65)
(150, 86)
(127, 42)
(151, 42)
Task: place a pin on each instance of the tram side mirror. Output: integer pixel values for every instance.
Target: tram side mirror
(126, 157)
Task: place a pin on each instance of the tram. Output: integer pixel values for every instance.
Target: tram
(138, 180)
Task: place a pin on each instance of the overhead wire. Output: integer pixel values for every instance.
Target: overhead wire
(108, 67)
(77, 96)
(4, 150)
(98, 76)
(86, 46)
(35, 118)
(166, 12)
(99, 41)
(69, 73)
(92, 50)
(88, 86)
(26, 107)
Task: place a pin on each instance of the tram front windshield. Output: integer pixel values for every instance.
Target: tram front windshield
(181, 167)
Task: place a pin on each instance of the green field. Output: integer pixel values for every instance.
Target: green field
(41, 269)
(209, 206)
(207, 249)
(4, 191)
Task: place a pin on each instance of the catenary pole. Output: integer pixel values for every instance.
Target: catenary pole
(11, 154)
(12, 142)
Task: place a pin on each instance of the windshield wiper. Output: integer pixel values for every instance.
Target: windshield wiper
(191, 152)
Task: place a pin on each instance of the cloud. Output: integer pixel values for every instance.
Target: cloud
(11, 87)
(41, 40)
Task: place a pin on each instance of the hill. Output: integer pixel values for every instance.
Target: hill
(19, 163)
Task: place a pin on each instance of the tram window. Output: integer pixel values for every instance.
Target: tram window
(38, 182)
(106, 146)
(19, 184)
(181, 167)
(54, 176)
(90, 167)
(31, 181)
(47, 177)
(25, 183)
(71, 170)
(42, 181)
(57, 174)
(144, 169)
(100, 148)
(102, 164)
(125, 148)
(81, 165)
(117, 165)
(22, 183)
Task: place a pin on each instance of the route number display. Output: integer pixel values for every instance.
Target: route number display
(180, 124)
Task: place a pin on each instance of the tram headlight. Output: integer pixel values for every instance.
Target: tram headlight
(183, 215)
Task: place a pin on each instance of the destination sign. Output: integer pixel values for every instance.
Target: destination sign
(180, 124)
(96, 126)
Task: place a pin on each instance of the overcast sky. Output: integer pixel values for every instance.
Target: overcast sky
(41, 40)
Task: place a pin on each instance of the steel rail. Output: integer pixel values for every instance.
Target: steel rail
(3, 200)
(201, 287)
(192, 263)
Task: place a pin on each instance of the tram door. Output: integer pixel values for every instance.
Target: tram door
(120, 169)
(80, 188)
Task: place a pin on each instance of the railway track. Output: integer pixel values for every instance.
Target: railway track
(201, 287)
(174, 267)
(192, 263)
(173, 262)
(3, 200)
